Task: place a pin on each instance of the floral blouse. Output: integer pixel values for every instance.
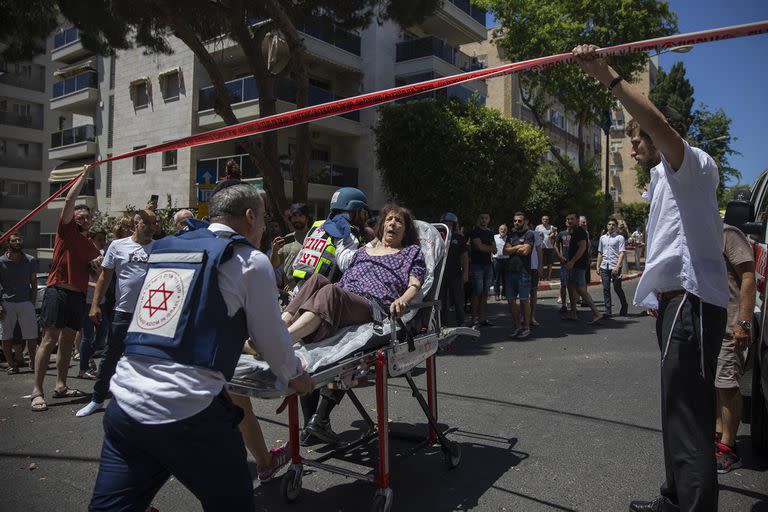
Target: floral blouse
(384, 277)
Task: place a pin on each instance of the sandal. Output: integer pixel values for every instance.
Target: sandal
(12, 370)
(88, 375)
(66, 392)
(40, 406)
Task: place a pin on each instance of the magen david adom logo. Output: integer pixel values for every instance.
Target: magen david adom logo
(161, 300)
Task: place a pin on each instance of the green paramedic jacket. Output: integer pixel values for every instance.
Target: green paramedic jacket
(318, 254)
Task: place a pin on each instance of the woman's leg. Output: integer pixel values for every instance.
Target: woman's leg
(305, 325)
(251, 431)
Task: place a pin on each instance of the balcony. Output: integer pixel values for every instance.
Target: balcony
(432, 46)
(87, 194)
(462, 93)
(78, 93)
(458, 21)
(32, 162)
(74, 143)
(216, 166)
(67, 47)
(244, 95)
(33, 120)
(24, 76)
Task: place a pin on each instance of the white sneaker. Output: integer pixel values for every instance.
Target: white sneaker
(514, 333)
(89, 409)
(559, 300)
(524, 333)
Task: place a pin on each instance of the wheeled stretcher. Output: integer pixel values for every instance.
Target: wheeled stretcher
(386, 349)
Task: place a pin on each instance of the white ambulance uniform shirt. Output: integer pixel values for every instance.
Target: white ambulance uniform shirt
(684, 233)
(154, 391)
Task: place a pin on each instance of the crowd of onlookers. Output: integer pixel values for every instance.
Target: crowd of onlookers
(514, 262)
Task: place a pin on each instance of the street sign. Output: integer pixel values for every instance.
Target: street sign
(206, 175)
(204, 192)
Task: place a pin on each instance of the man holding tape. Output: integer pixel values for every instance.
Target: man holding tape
(685, 281)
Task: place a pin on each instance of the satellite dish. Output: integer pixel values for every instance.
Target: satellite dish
(275, 51)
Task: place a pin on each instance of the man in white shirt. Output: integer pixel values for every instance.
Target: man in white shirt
(204, 293)
(126, 259)
(547, 232)
(537, 266)
(637, 240)
(685, 281)
(611, 251)
(500, 261)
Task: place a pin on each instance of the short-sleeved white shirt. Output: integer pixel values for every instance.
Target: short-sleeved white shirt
(684, 233)
(500, 241)
(129, 261)
(538, 241)
(611, 246)
(547, 241)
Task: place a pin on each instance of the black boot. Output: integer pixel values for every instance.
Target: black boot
(647, 506)
(320, 424)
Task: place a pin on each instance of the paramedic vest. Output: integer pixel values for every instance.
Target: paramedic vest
(317, 254)
(181, 315)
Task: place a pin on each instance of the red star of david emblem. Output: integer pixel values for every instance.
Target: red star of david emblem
(163, 305)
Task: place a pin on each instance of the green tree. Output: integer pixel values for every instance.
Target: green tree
(109, 25)
(674, 90)
(442, 155)
(536, 28)
(635, 215)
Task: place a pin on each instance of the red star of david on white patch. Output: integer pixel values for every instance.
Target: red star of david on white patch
(163, 306)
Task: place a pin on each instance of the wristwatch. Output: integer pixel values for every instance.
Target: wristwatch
(745, 324)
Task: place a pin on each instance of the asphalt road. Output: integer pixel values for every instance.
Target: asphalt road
(566, 420)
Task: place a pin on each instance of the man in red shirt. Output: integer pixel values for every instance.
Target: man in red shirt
(63, 305)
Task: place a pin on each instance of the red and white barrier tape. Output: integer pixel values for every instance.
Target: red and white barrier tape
(334, 108)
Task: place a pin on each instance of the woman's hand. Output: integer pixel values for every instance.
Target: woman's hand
(398, 307)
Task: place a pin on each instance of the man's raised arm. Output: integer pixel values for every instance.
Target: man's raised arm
(651, 121)
(74, 191)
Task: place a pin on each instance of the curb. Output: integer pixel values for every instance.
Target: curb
(556, 285)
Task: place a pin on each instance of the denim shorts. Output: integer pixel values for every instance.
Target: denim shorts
(518, 285)
(481, 276)
(565, 276)
(577, 277)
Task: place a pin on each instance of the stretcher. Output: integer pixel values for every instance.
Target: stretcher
(383, 349)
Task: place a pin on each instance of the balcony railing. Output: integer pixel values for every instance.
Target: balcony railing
(477, 13)
(326, 173)
(66, 37)
(216, 166)
(245, 89)
(32, 162)
(89, 189)
(14, 75)
(87, 80)
(430, 45)
(34, 120)
(332, 34)
(84, 133)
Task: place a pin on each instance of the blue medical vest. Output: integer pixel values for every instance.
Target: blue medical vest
(181, 315)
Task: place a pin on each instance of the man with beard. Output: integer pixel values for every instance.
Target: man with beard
(63, 306)
(684, 281)
(286, 248)
(18, 283)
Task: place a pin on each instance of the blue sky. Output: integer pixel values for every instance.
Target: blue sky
(732, 75)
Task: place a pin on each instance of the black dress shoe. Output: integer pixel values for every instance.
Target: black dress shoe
(624, 311)
(321, 428)
(647, 506)
(307, 439)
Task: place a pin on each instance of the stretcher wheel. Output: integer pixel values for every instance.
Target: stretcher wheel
(291, 484)
(453, 455)
(382, 501)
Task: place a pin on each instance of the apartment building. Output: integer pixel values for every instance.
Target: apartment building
(117, 104)
(617, 154)
(25, 125)
(505, 96)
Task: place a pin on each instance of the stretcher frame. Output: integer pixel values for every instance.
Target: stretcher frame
(398, 356)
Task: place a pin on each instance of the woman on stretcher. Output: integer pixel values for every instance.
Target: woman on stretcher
(391, 273)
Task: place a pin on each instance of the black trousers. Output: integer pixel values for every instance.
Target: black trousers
(689, 333)
(607, 277)
(452, 292)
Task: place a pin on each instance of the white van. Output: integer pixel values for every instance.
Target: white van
(751, 216)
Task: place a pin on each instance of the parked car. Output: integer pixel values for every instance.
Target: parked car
(751, 216)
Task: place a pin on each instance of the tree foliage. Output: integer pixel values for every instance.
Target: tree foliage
(635, 215)
(438, 156)
(537, 28)
(674, 90)
(109, 25)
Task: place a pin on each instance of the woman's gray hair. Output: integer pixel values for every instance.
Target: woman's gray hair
(234, 201)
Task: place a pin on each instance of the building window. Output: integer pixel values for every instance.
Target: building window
(140, 92)
(171, 85)
(556, 118)
(23, 150)
(615, 147)
(108, 186)
(139, 162)
(17, 188)
(170, 159)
